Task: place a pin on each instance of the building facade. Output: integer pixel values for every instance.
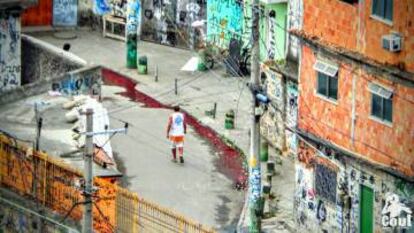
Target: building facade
(279, 67)
(355, 117)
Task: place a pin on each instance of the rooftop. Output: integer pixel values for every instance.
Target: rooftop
(18, 119)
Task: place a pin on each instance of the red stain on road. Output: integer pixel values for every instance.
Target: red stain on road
(230, 162)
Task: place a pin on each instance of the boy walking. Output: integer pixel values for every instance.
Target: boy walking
(176, 130)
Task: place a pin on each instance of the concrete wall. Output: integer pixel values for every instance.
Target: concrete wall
(17, 215)
(281, 112)
(10, 65)
(390, 144)
(327, 194)
(71, 83)
(41, 60)
(362, 31)
(295, 18)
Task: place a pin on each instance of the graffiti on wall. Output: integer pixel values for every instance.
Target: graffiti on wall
(118, 8)
(224, 21)
(305, 196)
(294, 22)
(275, 88)
(10, 65)
(291, 115)
(78, 84)
(272, 121)
(65, 12)
(336, 200)
(271, 41)
(132, 25)
(101, 7)
(169, 22)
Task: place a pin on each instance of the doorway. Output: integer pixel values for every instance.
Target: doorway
(366, 210)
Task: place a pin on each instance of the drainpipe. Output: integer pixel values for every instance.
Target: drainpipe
(353, 114)
(284, 113)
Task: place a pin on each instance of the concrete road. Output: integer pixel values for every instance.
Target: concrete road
(196, 94)
(195, 188)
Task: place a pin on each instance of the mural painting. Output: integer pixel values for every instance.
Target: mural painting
(76, 84)
(10, 49)
(132, 25)
(224, 21)
(101, 7)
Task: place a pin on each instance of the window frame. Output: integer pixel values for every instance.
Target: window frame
(328, 86)
(381, 118)
(382, 17)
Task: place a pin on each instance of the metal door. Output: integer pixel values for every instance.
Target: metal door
(40, 15)
(366, 210)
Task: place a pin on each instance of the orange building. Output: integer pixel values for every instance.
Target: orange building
(356, 116)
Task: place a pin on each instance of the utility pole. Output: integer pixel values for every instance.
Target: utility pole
(254, 164)
(87, 226)
(88, 188)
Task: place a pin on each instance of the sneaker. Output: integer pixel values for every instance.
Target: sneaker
(181, 159)
(174, 160)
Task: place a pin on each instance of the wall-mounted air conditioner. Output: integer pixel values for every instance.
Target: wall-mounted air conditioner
(391, 42)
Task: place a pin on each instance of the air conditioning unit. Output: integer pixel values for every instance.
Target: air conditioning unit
(391, 42)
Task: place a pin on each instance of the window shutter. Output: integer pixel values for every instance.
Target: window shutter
(381, 91)
(325, 68)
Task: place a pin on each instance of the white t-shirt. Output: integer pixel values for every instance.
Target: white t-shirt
(177, 124)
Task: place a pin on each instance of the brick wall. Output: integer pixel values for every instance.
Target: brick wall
(390, 145)
(344, 25)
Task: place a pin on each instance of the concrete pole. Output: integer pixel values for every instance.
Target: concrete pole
(156, 73)
(87, 226)
(254, 164)
(176, 86)
(132, 21)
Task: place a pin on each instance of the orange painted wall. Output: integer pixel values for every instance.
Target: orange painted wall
(341, 24)
(40, 15)
(332, 121)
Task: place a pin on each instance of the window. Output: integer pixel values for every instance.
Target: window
(327, 79)
(381, 105)
(350, 1)
(325, 182)
(382, 9)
